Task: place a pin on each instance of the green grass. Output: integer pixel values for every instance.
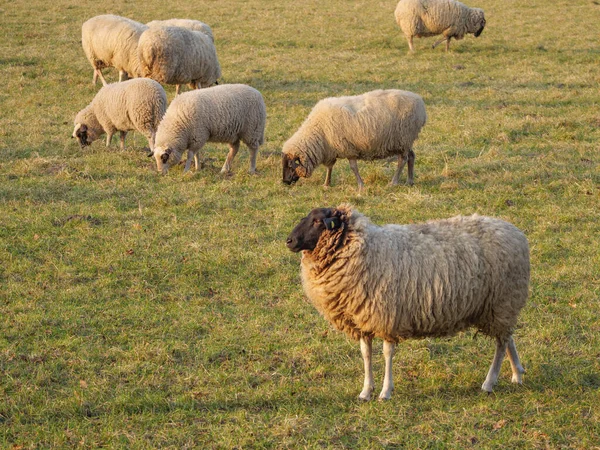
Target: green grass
(142, 311)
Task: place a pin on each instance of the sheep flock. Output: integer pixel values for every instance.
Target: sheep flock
(393, 282)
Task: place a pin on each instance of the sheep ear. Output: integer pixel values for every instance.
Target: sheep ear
(332, 223)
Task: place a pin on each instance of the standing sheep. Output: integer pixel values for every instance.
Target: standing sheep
(424, 18)
(174, 55)
(414, 281)
(190, 24)
(227, 113)
(137, 104)
(111, 41)
(374, 125)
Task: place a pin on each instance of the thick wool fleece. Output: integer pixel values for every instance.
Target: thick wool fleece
(190, 24)
(137, 104)
(227, 113)
(423, 18)
(174, 55)
(111, 41)
(412, 281)
(374, 125)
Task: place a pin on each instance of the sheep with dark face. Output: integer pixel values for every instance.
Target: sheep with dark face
(413, 281)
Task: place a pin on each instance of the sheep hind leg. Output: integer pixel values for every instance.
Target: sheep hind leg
(98, 73)
(515, 363)
(354, 168)
(122, 135)
(401, 162)
(388, 380)
(233, 149)
(253, 153)
(366, 349)
(492, 376)
(411, 46)
(439, 42)
(411, 168)
(188, 163)
(328, 176)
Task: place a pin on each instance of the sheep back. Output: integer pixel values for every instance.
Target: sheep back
(174, 55)
(414, 281)
(374, 125)
(190, 24)
(111, 41)
(424, 18)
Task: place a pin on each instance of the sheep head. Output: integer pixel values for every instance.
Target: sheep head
(476, 22)
(306, 235)
(84, 135)
(165, 157)
(293, 168)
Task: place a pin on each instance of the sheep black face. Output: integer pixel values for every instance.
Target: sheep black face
(307, 233)
(81, 133)
(481, 27)
(290, 174)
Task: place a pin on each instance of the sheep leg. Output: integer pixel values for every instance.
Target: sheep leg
(123, 76)
(122, 135)
(366, 348)
(410, 43)
(388, 380)
(177, 86)
(354, 168)
(328, 176)
(98, 73)
(197, 161)
(411, 168)
(515, 363)
(233, 149)
(492, 376)
(109, 135)
(448, 44)
(253, 153)
(190, 158)
(401, 162)
(439, 42)
(152, 140)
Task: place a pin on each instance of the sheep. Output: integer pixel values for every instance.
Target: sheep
(190, 24)
(424, 18)
(226, 113)
(111, 41)
(137, 104)
(413, 281)
(374, 125)
(175, 55)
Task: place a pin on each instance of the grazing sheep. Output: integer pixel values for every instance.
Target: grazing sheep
(424, 18)
(374, 125)
(190, 24)
(227, 113)
(111, 41)
(414, 281)
(174, 55)
(137, 104)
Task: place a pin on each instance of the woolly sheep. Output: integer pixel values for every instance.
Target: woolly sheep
(424, 18)
(174, 55)
(137, 104)
(111, 41)
(374, 125)
(227, 113)
(190, 24)
(414, 281)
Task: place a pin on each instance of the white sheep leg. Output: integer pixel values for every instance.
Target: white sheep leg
(366, 348)
(354, 168)
(492, 376)
(109, 136)
(98, 73)
(123, 76)
(197, 160)
(233, 149)
(188, 163)
(401, 162)
(253, 153)
(411, 168)
(388, 380)
(177, 86)
(122, 135)
(328, 176)
(515, 363)
(410, 43)
(152, 140)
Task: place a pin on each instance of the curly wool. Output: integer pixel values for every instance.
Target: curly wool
(111, 41)
(424, 18)
(174, 55)
(374, 125)
(227, 113)
(137, 104)
(413, 281)
(190, 24)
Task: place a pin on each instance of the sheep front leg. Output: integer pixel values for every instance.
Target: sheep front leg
(188, 163)
(411, 168)
(515, 363)
(439, 42)
(492, 377)
(122, 135)
(401, 162)
(328, 175)
(388, 380)
(233, 149)
(98, 73)
(354, 168)
(253, 153)
(411, 47)
(109, 135)
(366, 348)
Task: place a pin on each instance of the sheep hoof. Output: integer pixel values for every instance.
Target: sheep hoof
(487, 387)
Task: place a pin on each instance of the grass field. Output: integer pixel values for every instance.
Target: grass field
(144, 311)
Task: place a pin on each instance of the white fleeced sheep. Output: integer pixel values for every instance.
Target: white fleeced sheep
(413, 281)
(450, 18)
(190, 24)
(175, 55)
(229, 113)
(374, 125)
(137, 104)
(111, 41)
